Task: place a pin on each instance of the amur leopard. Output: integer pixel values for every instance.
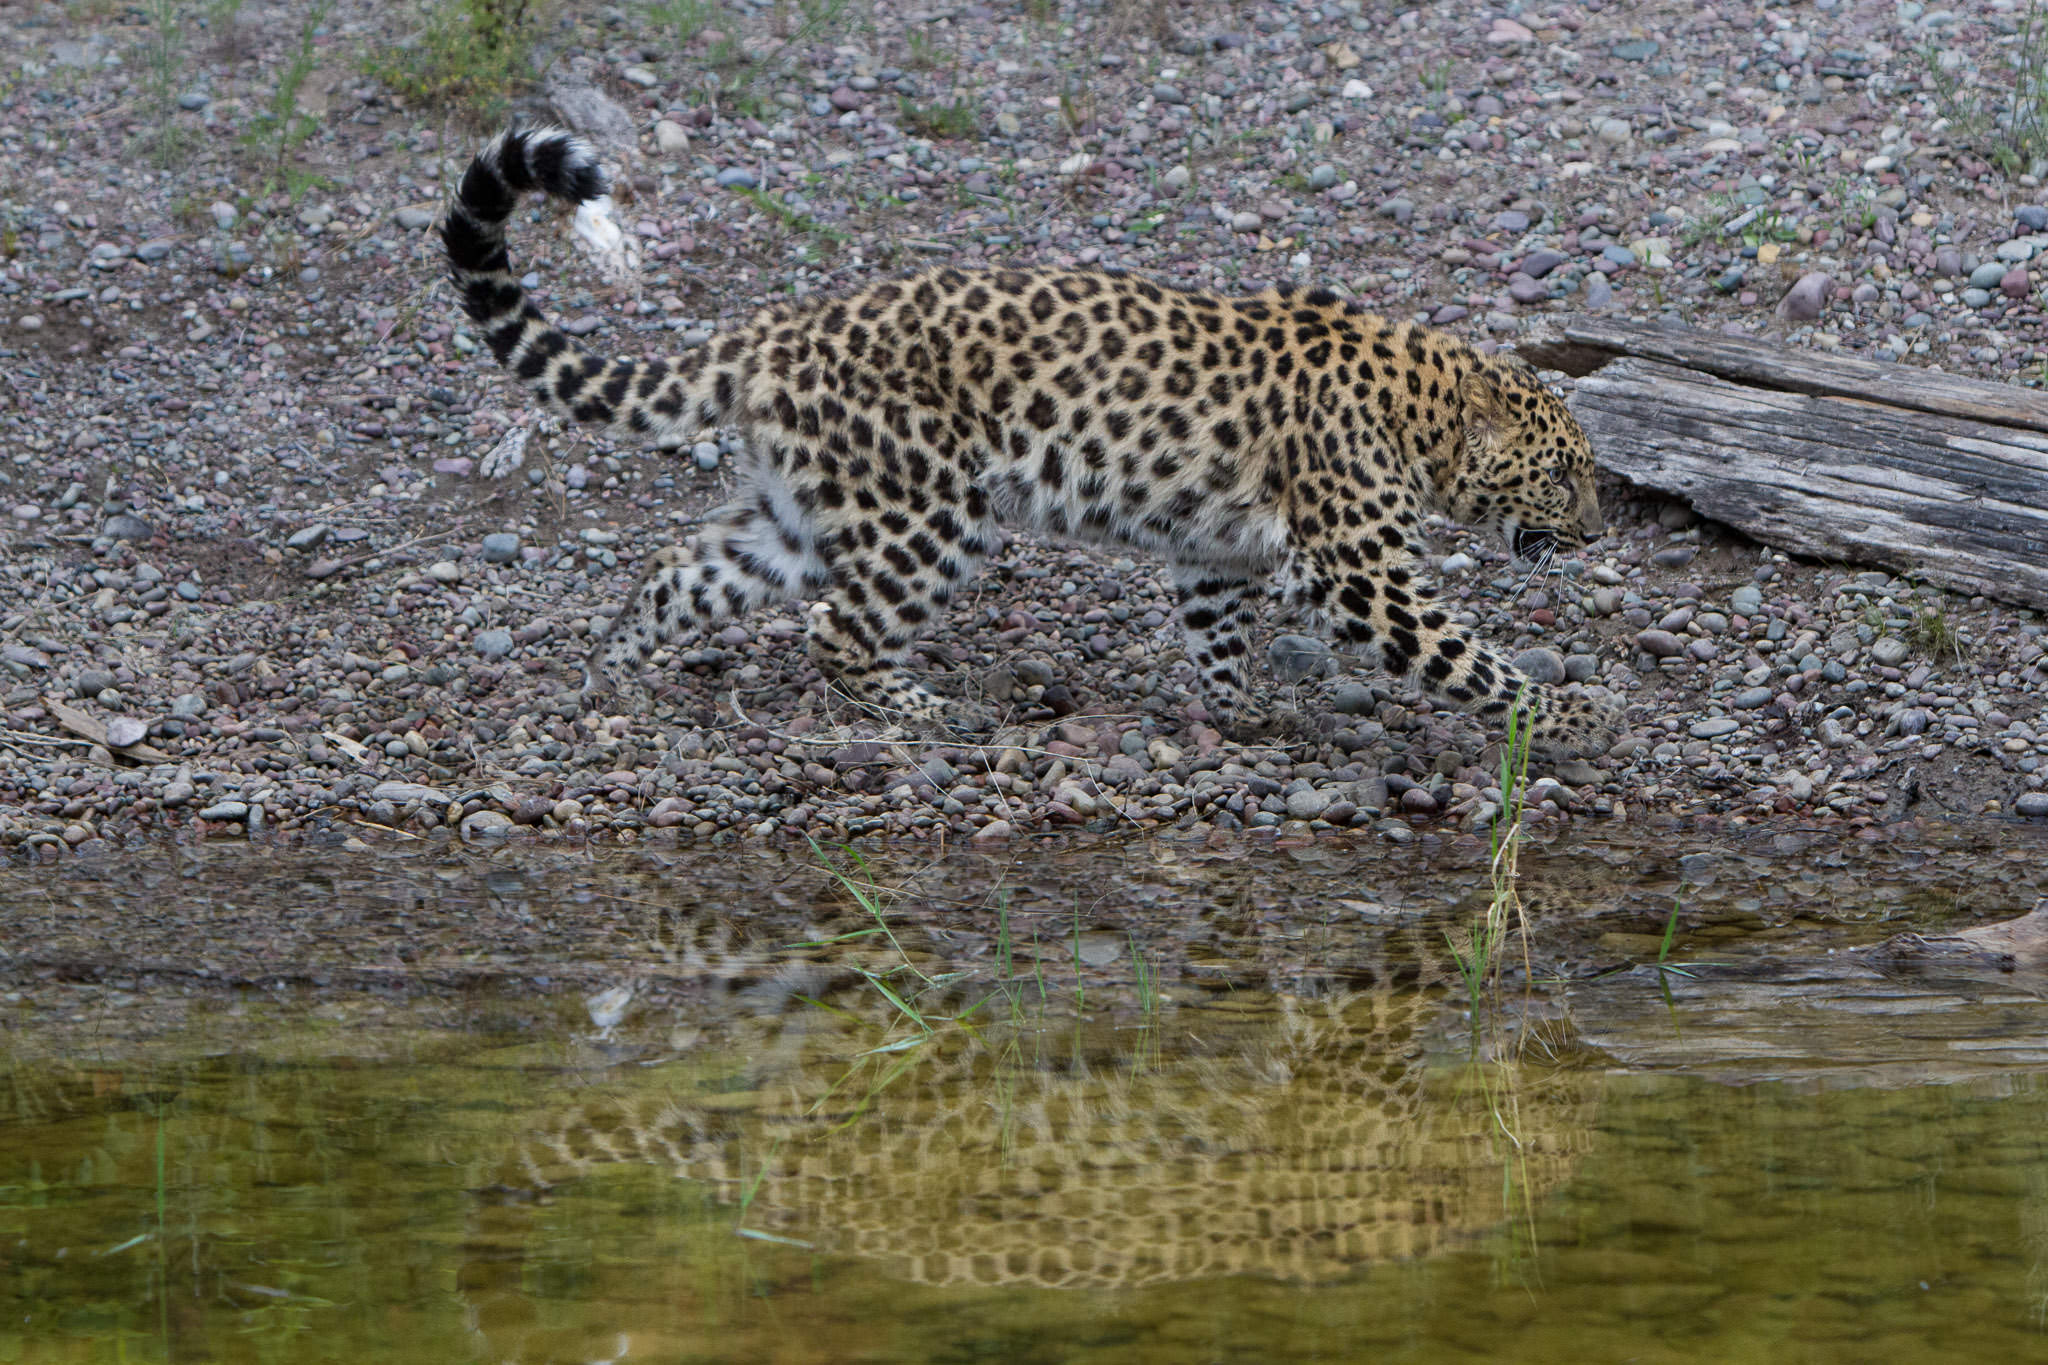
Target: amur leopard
(1284, 442)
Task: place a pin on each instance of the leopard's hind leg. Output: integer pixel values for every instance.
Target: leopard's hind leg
(750, 553)
(894, 567)
(1218, 613)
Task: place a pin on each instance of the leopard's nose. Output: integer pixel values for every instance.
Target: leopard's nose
(1589, 520)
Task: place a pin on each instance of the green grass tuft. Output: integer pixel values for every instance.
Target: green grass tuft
(955, 121)
(471, 56)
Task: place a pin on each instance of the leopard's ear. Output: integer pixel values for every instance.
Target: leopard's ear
(1486, 407)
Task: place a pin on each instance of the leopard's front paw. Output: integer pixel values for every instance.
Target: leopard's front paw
(1571, 725)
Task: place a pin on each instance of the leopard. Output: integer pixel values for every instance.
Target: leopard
(1283, 442)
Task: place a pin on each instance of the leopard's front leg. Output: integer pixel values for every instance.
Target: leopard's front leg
(1376, 607)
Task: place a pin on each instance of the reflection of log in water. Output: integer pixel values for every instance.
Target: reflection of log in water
(1303, 1138)
(1913, 1010)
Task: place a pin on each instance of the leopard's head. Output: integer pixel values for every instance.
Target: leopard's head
(1525, 468)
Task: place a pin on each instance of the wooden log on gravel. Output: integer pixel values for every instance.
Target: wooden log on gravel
(1841, 458)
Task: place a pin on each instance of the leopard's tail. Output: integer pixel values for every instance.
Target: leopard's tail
(669, 400)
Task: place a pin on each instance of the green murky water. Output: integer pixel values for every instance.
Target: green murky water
(1151, 1103)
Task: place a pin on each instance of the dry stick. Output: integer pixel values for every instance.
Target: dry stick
(402, 546)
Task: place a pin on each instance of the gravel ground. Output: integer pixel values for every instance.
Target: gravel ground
(257, 584)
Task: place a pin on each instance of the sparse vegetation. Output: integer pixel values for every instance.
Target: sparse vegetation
(2002, 114)
(224, 25)
(791, 217)
(163, 52)
(470, 55)
(924, 53)
(282, 128)
(940, 122)
(1933, 634)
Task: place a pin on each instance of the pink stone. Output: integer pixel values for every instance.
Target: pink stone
(2015, 284)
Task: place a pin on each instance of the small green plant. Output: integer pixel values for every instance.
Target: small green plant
(924, 53)
(1768, 226)
(224, 23)
(1437, 78)
(1080, 988)
(1477, 950)
(470, 55)
(282, 128)
(954, 121)
(1704, 224)
(163, 52)
(1004, 947)
(1145, 979)
(1933, 634)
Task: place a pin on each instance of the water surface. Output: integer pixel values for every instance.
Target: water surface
(1155, 1102)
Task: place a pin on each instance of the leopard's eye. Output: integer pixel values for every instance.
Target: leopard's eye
(1560, 474)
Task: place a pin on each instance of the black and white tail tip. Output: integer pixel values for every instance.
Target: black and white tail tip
(525, 160)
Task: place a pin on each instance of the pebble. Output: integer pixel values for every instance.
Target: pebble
(500, 547)
(494, 644)
(2032, 804)
(126, 731)
(1540, 665)
(1806, 300)
(737, 178)
(1713, 729)
(486, 824)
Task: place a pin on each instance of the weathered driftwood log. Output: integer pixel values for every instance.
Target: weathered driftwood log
(1839, 458)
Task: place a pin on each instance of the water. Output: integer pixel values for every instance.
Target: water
(1143, 1103)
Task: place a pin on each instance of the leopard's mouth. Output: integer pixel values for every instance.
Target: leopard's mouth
(1534, 542)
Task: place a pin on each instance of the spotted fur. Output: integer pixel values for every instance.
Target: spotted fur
(1284, 441)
